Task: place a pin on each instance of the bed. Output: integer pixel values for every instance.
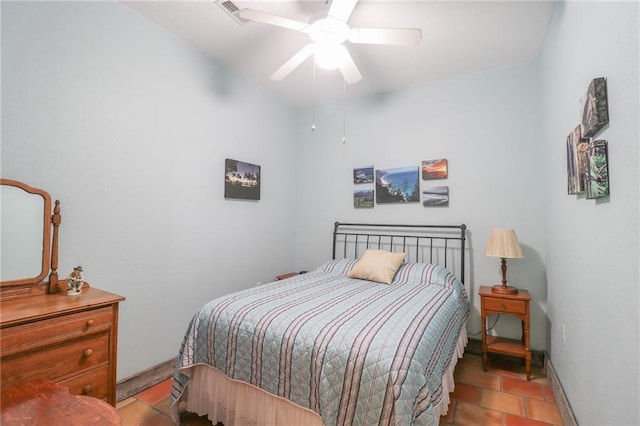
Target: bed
(371, 336)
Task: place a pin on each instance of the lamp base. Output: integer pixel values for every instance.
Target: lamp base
(504, 289)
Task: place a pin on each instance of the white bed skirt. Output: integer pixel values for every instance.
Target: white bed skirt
(231, 402)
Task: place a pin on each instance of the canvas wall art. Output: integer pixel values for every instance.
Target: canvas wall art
(576, 161)
(241, 180)
(363, 175)
(398, 185)
(434, 169)
(597, 171)
(435, 196)
(363, 199)
(595, 114)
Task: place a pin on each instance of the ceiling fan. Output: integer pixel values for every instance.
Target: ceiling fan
(328, 35)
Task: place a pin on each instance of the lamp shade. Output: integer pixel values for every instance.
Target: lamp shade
(503, 243)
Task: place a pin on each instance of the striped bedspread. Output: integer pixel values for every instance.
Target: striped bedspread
(356, 352)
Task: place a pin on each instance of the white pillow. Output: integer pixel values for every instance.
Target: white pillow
(377, 265)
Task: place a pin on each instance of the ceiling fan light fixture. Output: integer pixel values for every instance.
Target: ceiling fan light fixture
(330, 56)
(328, 36)
(329, 31)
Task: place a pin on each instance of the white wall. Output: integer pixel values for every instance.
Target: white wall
(129, 127)
(591, 249)
(486, 125)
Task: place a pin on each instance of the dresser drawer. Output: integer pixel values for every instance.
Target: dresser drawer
(57, 361)
(505, 305)
(26, 337)
(94, 383)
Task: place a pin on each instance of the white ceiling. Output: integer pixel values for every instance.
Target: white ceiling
(459, 37)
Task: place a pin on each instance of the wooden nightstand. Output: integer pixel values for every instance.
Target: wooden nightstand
(287, 275)
(510, 304)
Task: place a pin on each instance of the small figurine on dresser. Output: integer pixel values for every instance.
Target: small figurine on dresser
(75, 282)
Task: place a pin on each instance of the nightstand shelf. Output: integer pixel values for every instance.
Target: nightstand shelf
(510, 304)
(506, 346)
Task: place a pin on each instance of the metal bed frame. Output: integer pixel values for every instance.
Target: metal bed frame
(421, 243)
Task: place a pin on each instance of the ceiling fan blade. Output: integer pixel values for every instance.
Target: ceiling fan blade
(348, 68)
(341, 9)
(294, 62)
(268, 18)
(392, 36)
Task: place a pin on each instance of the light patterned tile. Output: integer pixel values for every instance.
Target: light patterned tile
(473, 415)
(466, 392)
(136, 413)
(124, 402)
(156, 393)
(164, 406)
(502, 401)
(543, 411)
(480, 379)
(522, 388)
(511, 420)
(506, 368)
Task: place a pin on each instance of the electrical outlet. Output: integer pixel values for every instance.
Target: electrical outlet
(563, 334)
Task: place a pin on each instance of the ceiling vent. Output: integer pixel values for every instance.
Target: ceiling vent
(232, 10)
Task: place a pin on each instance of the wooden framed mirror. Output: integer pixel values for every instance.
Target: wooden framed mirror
(29, 247)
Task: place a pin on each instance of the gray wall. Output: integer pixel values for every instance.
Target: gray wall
(592, 246)
(486, 125)
(504, 134)
(129, 127)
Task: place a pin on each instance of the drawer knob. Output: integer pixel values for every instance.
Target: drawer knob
(504, 306)
(86, 389)
(90, 323)
(87, 353)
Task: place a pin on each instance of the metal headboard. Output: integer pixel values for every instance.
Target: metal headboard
(442, 244)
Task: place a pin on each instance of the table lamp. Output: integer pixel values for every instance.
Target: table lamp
(503, 243)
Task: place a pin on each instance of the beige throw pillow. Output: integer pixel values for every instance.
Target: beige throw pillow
(377, 265)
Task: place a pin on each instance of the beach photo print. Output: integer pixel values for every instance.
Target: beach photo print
(398, 185)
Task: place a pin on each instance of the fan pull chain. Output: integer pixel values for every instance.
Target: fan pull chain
(344, 111)
(313, 100)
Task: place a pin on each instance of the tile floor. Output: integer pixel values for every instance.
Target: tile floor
(502, 396)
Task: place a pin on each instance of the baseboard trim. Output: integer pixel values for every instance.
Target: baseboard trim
(474, 346)
(568, 418)
(144, 379)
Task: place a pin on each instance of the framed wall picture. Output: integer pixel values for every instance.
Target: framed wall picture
(597, 171)
(241, 180)
(363, 175)
(576, 161)
(398, 185)
(363, 199)
(434, 169)
(595, 114)
(435, 196)
(581, 156)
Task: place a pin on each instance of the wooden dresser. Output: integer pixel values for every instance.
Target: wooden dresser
(70, 340)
